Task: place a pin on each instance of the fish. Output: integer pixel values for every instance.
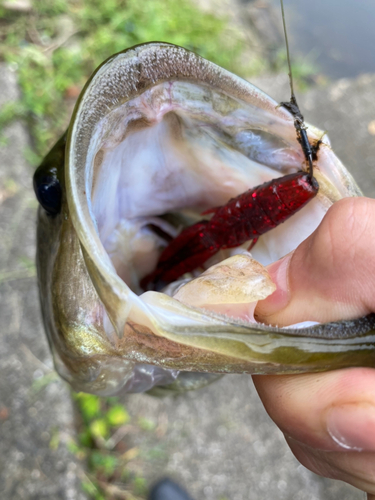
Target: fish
(158, 136)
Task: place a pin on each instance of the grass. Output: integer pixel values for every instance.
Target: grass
(57, 45)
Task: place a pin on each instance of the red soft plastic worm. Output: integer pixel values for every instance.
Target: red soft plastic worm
(242, 219)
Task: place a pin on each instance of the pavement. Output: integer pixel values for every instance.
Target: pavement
(36, 412)
(218, 442)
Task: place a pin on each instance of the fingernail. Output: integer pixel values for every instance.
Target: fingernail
(278, 272)
(353, 426)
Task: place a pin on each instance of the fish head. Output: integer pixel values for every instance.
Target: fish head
(158, 136)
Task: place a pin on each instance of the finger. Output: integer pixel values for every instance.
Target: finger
(327, 419)
(352, 467)
(327, 277)
(331, 411)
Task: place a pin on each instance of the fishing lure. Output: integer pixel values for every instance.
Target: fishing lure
(242, 219)
(245, 217)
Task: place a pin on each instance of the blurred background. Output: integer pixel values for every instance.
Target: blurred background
(218, 442)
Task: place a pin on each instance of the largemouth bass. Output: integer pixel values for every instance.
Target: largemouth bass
(158, 136)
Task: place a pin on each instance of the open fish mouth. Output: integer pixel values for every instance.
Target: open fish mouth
(158, 136)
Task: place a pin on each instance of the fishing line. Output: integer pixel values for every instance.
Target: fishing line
(293, 107)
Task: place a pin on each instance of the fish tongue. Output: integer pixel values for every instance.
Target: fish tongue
(232, 287)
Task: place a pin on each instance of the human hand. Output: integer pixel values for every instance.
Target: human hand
(328, 419)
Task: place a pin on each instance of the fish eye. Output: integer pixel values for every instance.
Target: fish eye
(48, 192)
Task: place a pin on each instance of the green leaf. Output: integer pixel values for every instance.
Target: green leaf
(117, 415)
(99, 428)
(89, 405)
(85, 438)
(103, 462)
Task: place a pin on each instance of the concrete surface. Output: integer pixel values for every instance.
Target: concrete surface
(218, 442)
(36, 414)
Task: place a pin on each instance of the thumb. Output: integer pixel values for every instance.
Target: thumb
(331, 275)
